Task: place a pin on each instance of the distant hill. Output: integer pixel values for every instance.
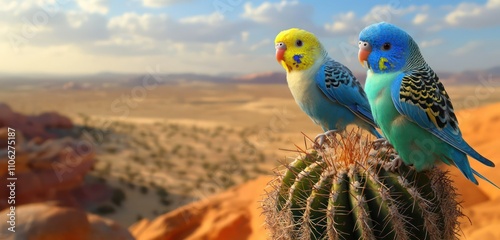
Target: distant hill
(475, 77)
(267, 77)
(106, 80)
(491, 75)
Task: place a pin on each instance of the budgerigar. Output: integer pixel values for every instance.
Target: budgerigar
(324, 89)
(410, 104)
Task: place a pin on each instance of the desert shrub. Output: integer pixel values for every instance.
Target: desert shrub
(118, 196)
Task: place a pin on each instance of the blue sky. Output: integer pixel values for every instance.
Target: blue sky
(229, 36)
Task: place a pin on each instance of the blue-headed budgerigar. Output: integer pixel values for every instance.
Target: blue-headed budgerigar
(410, 104)
(324, 89)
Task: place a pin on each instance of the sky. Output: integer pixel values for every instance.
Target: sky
(229, 36)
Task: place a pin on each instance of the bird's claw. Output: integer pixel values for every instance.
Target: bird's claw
(395, 163)
(381, 143)
(321, 138)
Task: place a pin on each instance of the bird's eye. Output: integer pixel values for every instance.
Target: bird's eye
(386, 46)
(299, 43)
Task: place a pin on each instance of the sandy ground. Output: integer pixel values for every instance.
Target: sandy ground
(177, 144)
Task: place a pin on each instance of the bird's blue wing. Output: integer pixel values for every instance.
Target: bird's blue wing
(339, 84)
(420, 96)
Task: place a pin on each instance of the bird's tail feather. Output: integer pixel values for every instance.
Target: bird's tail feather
(473, 153)
(484, 178)
(461, 162)
(459, 159)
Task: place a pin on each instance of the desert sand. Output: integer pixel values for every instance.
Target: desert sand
(179, 162)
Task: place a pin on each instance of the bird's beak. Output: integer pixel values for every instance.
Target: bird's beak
(364, 51)
(280, 51)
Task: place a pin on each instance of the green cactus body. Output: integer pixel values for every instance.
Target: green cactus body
(343, 193)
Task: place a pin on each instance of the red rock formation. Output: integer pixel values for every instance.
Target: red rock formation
(52, 170)
(50, 190)
(234, 214)
(46, 169)
(44, 221)
(32, 126)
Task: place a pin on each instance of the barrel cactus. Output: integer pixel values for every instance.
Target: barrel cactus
(349, 192)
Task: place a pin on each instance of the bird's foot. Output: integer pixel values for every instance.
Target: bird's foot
(395, 163)
(381, 143)
(321, 138)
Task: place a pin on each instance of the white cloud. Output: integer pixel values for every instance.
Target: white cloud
(267, 11)
(94, 6)
(212, 19)
(431, 43)
(420, 18)
(208, 28)
(14, 7)
(135, 23)
(129, 41)
(221, 48)
(265, 42)
(474, 15)
(341, 23)
(390, 13)
(30, 7)
(244, 36)
(350, 24)
(161, 3)
(282, 15)
(76, 19)
(467, 48)
(47, 23)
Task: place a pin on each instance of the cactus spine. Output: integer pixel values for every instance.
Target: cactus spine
(347, 193)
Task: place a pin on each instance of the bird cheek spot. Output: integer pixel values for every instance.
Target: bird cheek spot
(382, 63)
(297, 58)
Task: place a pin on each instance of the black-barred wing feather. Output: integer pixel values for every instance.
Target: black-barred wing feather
(339, 84)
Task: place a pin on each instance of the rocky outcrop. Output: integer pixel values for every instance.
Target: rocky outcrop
(48, 174)
(32, 126)
(50, 221)
(52, 170)
(234, 214)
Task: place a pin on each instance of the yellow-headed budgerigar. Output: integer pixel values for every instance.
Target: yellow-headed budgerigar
(410, 104)
(324, 89)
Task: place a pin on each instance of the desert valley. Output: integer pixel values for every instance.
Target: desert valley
(161, 151)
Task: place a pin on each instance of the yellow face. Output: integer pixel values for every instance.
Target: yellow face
(297, 49)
